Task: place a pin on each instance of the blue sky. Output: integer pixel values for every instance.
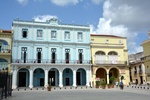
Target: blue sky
(127, 18)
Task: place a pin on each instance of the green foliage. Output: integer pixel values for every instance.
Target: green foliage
(111, 79)
(103, 83)
(97, 83)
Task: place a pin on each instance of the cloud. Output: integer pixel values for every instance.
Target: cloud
(127, 18)
(23, 2)
(65, 2)
(97, 1)
(131, 13)
(43, 18)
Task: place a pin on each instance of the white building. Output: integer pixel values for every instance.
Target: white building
(50, 53)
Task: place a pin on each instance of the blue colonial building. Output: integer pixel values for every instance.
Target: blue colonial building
(50, 53)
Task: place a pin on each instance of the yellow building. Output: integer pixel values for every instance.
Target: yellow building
(146, 58)
(109, 58)
(5, 49)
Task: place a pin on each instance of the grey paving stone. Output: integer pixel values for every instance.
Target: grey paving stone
(128, 93)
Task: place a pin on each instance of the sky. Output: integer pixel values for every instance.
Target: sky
(126, 18)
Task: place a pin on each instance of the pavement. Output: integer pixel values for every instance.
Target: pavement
(82, 93)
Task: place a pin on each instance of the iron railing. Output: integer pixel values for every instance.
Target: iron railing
(5, 85)
(109, 62)
(51, 61)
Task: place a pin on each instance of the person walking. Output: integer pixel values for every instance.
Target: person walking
(117, 84)
(121, 85)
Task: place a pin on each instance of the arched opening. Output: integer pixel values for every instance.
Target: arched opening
(23, 77)
(114, 72)
(67, 77)
(3, 64)
(38, 77)
(113, 57)
(100, 57)
(53, 77)
(102, 74)
(3, 46)
(81, 77)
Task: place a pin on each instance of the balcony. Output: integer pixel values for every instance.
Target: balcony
(145, 58)
(110, 62)
(49, 61)
(5, 52)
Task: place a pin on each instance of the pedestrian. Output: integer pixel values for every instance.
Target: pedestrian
(121, 85)
(144, 83)
(116, 83)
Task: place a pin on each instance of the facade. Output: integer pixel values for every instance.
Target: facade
(146, 58)
(109, 58)
(50, 53)
(5, 49)
(137, 68)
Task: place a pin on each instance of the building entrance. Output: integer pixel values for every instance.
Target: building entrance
(78, 76)
(67, 82)
(52, 77)
(22, 79)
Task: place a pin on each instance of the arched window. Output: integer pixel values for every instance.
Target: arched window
(3, 46)
(100, 53)
(113, 57)
(112, 53)
(100, 57)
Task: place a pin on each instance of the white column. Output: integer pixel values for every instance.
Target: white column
(31, 79)
(14, 79)
(107, 78)
(60, 78)
(87, 78)
(74, 78)
(90, 74)
(46, 78)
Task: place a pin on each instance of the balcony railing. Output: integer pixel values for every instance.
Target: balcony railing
(5, 51)
(109, 62)
(49, 61)
(145, 58)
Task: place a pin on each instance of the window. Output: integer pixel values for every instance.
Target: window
(67, 35)
(39, 34)
(80, 36)
(24, 33)
(3, 46)
(24, 54)
(53, 34)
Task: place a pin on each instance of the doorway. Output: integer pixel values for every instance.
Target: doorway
(41, 81)
(141, 79)
(52, 77)
(39, 57)
(78, 76)
(53, 57)
(22, 79)
(67, 82)
(24, 57)
(67, 57)
(80, 58)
